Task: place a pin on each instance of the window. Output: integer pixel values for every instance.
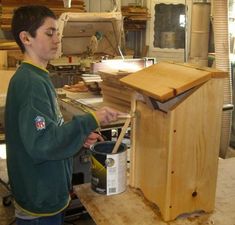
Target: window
(169, 26)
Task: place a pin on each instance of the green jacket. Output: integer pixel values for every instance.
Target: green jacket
(40, 146)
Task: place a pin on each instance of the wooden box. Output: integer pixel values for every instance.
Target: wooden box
(176, 135)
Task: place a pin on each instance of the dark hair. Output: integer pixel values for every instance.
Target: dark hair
(29, 18)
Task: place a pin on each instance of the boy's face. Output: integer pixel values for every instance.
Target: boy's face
(45, 44)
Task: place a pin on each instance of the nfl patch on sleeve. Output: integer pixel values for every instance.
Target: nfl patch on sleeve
(40, 123)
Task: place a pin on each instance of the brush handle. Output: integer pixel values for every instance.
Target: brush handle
(124, 116)
(119, 140)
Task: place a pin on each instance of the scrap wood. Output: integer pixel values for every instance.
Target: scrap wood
(79, 87)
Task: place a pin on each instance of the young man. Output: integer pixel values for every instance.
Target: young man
(40, 146)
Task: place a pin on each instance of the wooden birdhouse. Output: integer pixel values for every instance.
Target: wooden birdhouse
(176, 136)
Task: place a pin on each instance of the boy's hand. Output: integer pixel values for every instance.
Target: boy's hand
(107, 115)
(91, 139)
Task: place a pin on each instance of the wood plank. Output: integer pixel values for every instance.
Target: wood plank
(123, 92)
(215, 73)
(195, 149)
(151, 152)
(6, 44)
(165, 80)
(5, 76)
(130, 208)
(123, 97)
(3, 59)
(108, 98)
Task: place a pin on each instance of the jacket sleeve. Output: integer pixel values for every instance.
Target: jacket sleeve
(42, 137)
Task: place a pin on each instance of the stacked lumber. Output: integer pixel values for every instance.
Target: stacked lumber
(6, 45)
(114, 93)
(57, 6)
(135, 17)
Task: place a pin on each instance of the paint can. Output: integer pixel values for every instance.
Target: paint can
(108, 171)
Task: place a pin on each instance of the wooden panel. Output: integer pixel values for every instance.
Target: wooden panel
(195, 149)
(3, 59)
(116, 92)
(5, 76)
(215, 73)
(150, 153)
(164, 80)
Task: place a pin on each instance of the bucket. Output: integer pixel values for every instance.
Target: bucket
(108, 171)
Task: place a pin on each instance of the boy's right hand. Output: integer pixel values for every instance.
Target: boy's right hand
(106, 115)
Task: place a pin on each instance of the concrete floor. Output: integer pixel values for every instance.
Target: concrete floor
(7, 213)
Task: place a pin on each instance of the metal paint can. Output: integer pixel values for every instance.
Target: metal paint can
(108, 171)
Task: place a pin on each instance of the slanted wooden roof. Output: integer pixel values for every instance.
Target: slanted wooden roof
(165, 80)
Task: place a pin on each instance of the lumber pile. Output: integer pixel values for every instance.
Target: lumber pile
(135, 17)
(57, 6)
(114, 93)
(6, 45)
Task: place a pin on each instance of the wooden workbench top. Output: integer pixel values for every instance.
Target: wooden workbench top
(130, 208)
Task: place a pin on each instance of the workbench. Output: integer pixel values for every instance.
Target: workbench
(70, 106)
(131, 208)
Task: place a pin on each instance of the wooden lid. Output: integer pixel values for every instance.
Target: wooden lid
(166, 80)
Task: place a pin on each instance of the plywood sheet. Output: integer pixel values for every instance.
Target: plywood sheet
(165, 80)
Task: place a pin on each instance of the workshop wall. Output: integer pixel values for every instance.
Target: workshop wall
(135, 39)
(91, 6)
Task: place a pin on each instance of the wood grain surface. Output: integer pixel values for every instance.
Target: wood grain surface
(165, 80)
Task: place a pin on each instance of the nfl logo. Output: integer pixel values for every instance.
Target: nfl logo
(40, 123)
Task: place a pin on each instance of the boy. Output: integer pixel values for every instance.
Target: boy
(40, 146)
